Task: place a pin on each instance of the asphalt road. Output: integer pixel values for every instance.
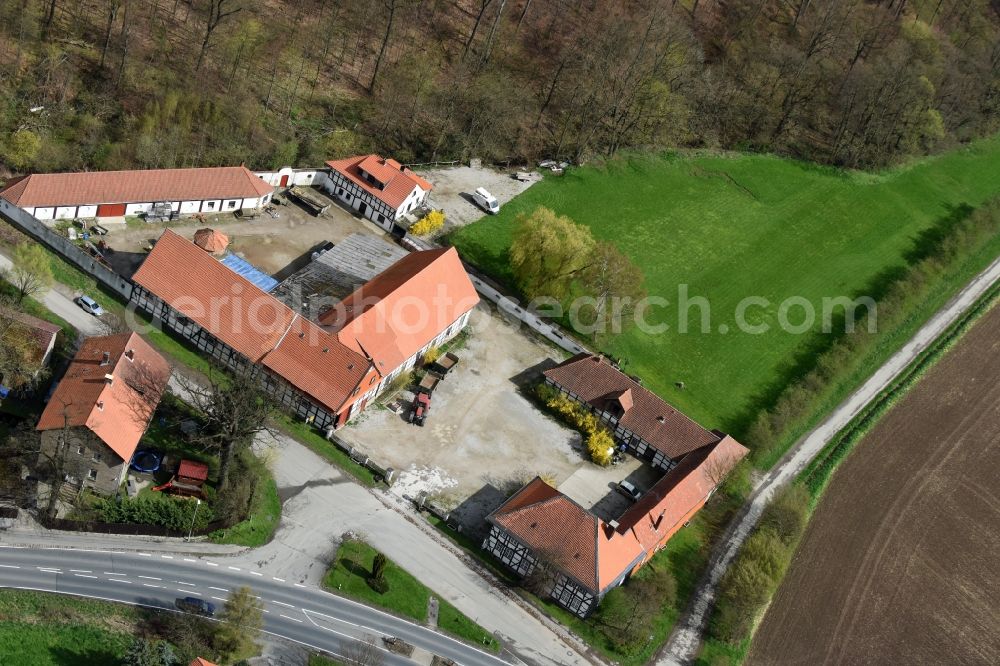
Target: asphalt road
(64, 306)
(300, 613)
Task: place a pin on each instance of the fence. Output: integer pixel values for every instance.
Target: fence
(65, 249)
(388, 474)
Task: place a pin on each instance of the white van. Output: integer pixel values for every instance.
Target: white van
(486, 201)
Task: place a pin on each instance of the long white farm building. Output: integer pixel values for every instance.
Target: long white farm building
(107, 194)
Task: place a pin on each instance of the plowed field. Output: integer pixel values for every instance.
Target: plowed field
(901, 561)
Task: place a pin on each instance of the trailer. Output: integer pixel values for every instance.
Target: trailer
(445, 364)
(428, 383)
(309, 201)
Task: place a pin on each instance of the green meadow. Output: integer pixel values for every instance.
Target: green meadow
(735, 226)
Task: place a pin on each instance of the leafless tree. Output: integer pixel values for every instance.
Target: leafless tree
(391, 7)
(217, 13)
(113, 7)
(364, 652)
(235, 410)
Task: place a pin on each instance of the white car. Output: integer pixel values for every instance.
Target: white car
(90, 305)
(486, 201)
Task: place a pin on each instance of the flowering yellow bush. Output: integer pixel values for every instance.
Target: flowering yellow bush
(601, 447)
(428, 224)
(599, 442)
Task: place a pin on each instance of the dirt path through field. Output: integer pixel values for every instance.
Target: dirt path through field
(899, 564)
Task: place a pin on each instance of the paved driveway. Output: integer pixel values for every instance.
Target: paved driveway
(62, 304)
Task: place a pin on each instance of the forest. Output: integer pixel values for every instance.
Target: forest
(113, 84)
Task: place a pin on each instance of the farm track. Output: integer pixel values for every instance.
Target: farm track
(898, 564)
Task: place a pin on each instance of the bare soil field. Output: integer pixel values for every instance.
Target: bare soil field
(899, 563)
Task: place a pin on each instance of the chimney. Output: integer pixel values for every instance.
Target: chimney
(106, 359)
(109, 379)
(100, 405)
(661, 419)
(130, 354)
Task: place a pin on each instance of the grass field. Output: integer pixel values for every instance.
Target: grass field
(747, 225)
(39, 629)
(406, 595)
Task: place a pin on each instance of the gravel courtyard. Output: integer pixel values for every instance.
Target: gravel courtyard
(481, 432)
(453, 188)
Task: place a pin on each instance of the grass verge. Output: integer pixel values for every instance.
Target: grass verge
(405, 595)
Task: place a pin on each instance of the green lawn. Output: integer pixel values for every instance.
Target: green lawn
(406, 595)
(747, 225)
(39, 629)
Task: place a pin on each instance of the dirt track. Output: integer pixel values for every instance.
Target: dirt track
(899, 564)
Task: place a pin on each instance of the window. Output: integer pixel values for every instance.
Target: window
(230, 204)
(210, 205)
(79, 450)
(97, 456)
(92, 474)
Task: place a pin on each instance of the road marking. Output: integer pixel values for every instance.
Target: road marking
(299, 585)
(265, 610)
(84, 576)
(180, 582)
(167, 557)
(220, 589)
(293, 619)
(150, 577)
(148, 585)
(255, 573)
(81, 571)
(185, 591)
(114, 573)
(218, 598)
(280, 580)
(9, 566)
(211, 564)
(188, 559)
(46, 570)
(143, 554)
(115, 580)
(235, 569)
(282, 603)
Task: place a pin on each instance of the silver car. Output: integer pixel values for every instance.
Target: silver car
(90, 305)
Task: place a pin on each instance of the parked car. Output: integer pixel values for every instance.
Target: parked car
(195, 606)
(421, 405)
(486, 201)
(628, 489)
(90, 305)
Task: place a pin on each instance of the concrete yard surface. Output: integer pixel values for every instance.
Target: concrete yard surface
(484, 438)
(277, 246)
(453, 188)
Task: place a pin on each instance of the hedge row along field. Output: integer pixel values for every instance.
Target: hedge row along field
(734, 226)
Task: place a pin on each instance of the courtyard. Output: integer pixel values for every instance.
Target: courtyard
(453, 188)
(484, 437)
(276, 245)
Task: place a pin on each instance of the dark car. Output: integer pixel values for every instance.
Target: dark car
(196, 606)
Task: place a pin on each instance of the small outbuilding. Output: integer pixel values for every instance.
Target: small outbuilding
(211, 240)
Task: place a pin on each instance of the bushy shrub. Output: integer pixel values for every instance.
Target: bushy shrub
(601, 447)
(600, 443)
(170, 512)
(428, 224)
(787, 514)
(432, 355)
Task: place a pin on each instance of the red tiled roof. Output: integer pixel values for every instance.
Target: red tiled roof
(150, 185)
(665, 507)
(401, 310)
(119, 412)
(254, 323)
(42, 331)
(227, 305)
(211, 240)
(316, 362)
(191, 469)
(597, 382)
(201, 662)
(573, 539)
(397, 181)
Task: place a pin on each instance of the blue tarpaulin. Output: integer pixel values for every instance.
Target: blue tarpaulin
(250, 272)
